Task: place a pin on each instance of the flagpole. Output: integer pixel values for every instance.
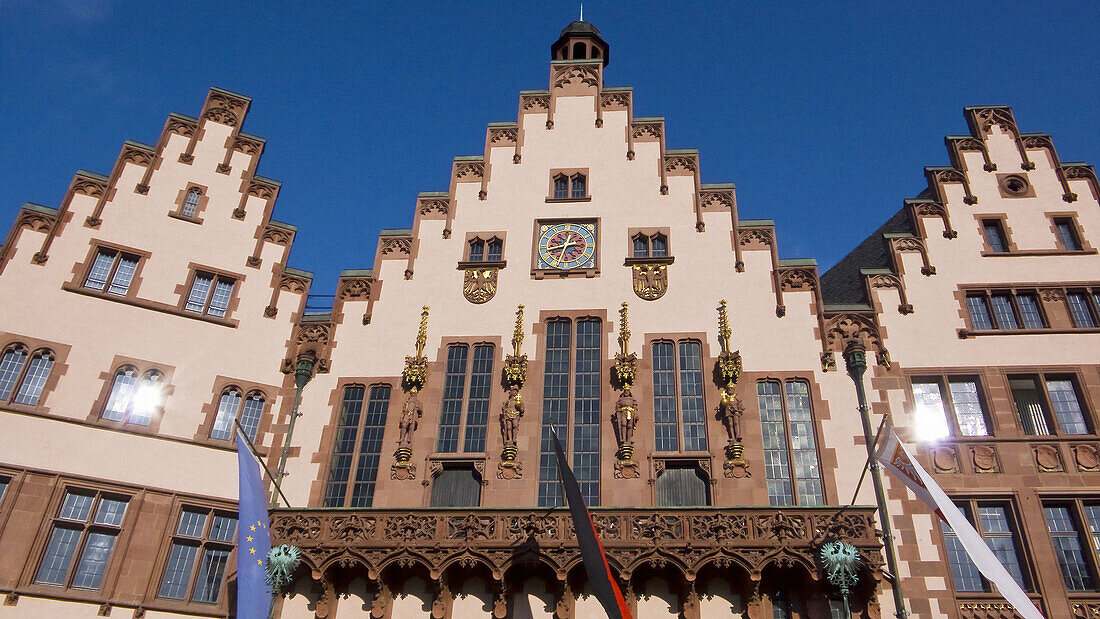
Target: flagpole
(256, 455)
(855, 359)
(303, 372)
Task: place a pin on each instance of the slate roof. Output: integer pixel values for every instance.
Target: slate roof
(843, 283)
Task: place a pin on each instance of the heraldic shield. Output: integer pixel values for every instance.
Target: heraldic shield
(650, 280)
(480, 285)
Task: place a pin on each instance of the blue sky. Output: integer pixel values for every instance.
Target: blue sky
(823, 114)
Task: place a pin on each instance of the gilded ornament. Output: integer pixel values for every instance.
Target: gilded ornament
(650, 280)
(480, 284)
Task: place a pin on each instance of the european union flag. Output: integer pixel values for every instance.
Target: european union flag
(253, 539)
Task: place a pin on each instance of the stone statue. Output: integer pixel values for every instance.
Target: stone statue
(626, 418)
(409, 419)
(729, 413)
(510, 414)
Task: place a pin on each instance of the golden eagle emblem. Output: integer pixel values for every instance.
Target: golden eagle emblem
(480, 285)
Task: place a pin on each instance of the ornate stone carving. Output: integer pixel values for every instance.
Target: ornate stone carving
(180, 125)
(917, 245)
(503, 135)
(650, 280)
(984, 458)
(89, 186)
(293, 283)
(1048, 459)
(576, 74)
(619, 99)
(469, 171)
(750, 237)
(480, 284)
(247, 145)
(645, 131)
(34, 221)
(396, 246)
(889, 280)
(934, 209)
(354, 288)
(828, 362)
(944, 459)
(1086, 458)
(536, 101)
(513, 375)
(277, 235)
(432, 206)
(681, 163)
(840, 329)
(796, 279)
(1052, 295)
(413, 379)
(716, 200)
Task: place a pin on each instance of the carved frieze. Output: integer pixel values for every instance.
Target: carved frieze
(479, 285)
(34, 221)
(433, 208)
(646, 131)
(795, 279)
(534, 102)
(1048, 459)
(982, 119)
(912, 244)
(840, 329)
(501, 136)
(755, 238)
(681, 164)
(934, 209)
(293, 283)
(262, 189)
(136, 154)
(247, 145)
(721, 200)
(469, 171)
(89, 186)
(890, 280)
(277, 235)
(650, 280)
(396, 246)
(354, 288)
(577, 75)
(1086, 458)
(984, 458)
(225, 108)
(182, 126)
(615, 100)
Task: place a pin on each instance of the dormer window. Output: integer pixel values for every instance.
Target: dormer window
(485, 250)
(568, 185)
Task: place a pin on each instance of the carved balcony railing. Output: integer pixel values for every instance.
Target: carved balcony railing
(686, 539)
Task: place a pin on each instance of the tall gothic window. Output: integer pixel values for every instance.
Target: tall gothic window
(678, 408)
(232, 406)
(356, 449)
(571, 403)
(21, 379)
(208, 536)
(82, 540)
(456, 398)
(790, 450)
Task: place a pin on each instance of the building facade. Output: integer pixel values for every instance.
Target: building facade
(578, 274)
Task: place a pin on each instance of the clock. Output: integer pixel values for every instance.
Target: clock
(564, 245)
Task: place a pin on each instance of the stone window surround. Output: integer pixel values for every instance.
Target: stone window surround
(323, 456)
(942, 376)
(1075, 502)
(704, 354)
(60, 353)
(1042, 374)
(632, 233)
(141, 367)
(184, 290)
(181, 197)
(827, 473)
(569, 174)
(179, 503)
(246, 388)
(1023, 549)
(112, 570)
(1052, 297)
(486, 236)
(1071, 216)
(495, 396)
(106, 595)
(1002, 186)
(1010, 244)
(80, 273)
(537, 273)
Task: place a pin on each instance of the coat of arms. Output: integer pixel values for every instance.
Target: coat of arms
(650, 280)
(480, 285)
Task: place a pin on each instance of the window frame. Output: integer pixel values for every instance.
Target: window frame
(570, 175)
(181, 202)
(998, 222)
(83, 269)
(201, 543)
(676, 342)
(572, 319)
(485, 240)
(1075, 231)
(112, 568)
(986, 296)
(331, 432)
(464, 410)
(970, 507)
(141, 368)
(34, 346)
(1092, 305)
(1076, 506)
(211, 408)
(815, 414)
(943, 378)
(648, 235)
(1042, 376)
(216, 275)
(701, 465)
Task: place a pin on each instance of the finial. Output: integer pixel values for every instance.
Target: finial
(582, 11)
(517, 334)
(624, 329)
(422, 333)
(723, 326)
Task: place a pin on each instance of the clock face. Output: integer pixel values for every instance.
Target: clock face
(564, 245)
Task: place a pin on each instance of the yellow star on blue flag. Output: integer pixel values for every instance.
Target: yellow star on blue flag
(253, 541)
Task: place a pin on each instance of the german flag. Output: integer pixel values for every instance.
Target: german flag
(595, 561)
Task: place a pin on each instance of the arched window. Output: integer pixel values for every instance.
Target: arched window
(230, 408)
(11, 368)
(561, 187)
(191, 202)
(641, 246)
(659, 246)
(578, 190)
(790, 447)
(496, 250)
(477, 250)
(133, 400)
(34, 380)
(580, 51)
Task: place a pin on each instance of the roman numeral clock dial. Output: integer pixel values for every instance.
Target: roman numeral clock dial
(563, 246)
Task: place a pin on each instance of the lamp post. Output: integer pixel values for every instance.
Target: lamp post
(303, 372)
(855, 359)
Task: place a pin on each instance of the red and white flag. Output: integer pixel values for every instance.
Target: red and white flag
(894, 457)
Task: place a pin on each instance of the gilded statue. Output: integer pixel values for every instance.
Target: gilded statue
(729, 413)
(410, 416)
(626, 418)
(510, 414)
